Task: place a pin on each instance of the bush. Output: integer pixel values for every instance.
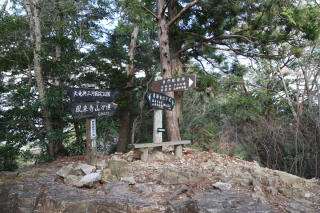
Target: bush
(8, 158)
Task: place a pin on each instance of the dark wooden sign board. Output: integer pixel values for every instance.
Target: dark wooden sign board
(90, 103)
(174, 84)
(161, 101)
(92, 109)
(90, 95)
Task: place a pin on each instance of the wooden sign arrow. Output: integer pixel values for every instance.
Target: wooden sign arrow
(90, 95)
(92, 109)
(174, 84)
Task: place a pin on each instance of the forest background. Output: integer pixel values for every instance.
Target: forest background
(256, 62)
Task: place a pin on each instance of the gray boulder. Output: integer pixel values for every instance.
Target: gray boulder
(71, 169)
(72, 180)
(222, 186)
(101, 164)
(188, 206)
(228, 201)
(128, 180)
(107, 176)
(143, 188)
(89, 180)
(182, 176)
(118, 167)
(115, 188)
(87, 169)
(64, 171)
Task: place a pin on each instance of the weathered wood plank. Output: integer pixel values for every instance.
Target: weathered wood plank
(169, 143)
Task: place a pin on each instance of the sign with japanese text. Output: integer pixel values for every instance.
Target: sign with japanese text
(89, 95)
(92, 109)
(174, 84)
(158, 100)
(93, 131)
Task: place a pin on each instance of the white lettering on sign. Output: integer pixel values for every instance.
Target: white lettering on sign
(81, 93)
(93, 132)
(78, 108)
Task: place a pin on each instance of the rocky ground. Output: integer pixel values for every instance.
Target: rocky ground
(199, 182)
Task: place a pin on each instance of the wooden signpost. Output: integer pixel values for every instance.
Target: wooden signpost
(92, 109)
(174, 84)
(157, 100)
(90, 103)
(160, 102)
(90, 95)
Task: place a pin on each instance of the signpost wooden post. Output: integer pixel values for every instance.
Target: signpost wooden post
(89, 103)
(159, 102)
(157, 124)
(91, 141)
(91, 132)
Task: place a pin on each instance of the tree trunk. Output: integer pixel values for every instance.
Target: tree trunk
(294, 113)
(33, 12)
(125, 113)
(177, 70)
(57, 121)
(172, 124)
(176, 63)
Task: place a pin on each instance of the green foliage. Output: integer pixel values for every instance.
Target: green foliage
(8, 157)
(305, 19)
(234, 110)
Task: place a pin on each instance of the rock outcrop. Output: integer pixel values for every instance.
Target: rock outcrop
(181, 176)
(200, 182)
(44, 195)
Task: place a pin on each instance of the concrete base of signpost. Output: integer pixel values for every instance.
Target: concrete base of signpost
(144, 154)
(143, 148)
(178, 151)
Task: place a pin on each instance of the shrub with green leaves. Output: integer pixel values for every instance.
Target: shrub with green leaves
(8, 157)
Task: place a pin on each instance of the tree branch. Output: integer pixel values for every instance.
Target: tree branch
(149, 11)
(182, 12)
(200, 62)
(165, 7)
(207, 40)
(207, 60)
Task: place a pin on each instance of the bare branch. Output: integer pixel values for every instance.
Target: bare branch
(207, 40)
(235, 36)
(182, 12)
(165, 7)
(149, 11)
(294, 113)
(207, 59)
(200, 62)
